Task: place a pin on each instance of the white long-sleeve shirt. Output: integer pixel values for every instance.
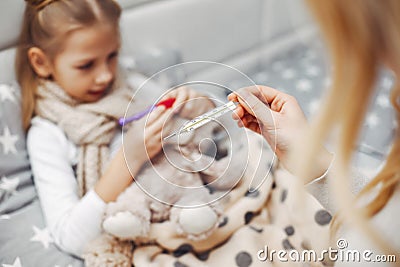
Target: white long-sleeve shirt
(73, 222)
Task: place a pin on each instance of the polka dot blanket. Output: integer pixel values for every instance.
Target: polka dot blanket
(256, 225)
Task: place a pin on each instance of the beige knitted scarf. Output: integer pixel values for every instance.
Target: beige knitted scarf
(91, 126)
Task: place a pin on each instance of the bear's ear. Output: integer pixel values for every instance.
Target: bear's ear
(40, 62)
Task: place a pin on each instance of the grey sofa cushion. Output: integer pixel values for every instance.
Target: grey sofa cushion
(24, 238)
(16, 186)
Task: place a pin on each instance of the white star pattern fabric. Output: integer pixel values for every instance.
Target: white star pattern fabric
(261, 78)
(304, 85)
(288, 74)
(303, 71)
(9, 185)
(5, 217)
(387, 82)
(23, 230)
(383, 101)
(8, 141)
(372, 120)
(17, 263)
(7, 94)
(42, 235)
(313, 71)
(313, 106)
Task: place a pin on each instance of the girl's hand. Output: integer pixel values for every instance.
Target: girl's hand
(278, 117)
(140, 143)
(188, 102)
(143, 139)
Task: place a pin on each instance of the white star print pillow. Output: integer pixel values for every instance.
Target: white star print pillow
(25, 240)
(16, 187)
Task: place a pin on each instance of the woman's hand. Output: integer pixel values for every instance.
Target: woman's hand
(188, 102)
(278, 117)
(275, 115)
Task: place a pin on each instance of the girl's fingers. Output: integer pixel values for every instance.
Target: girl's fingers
(157, 125)
(153, 130)
(155, 114)
(193, 94)
(180, 100)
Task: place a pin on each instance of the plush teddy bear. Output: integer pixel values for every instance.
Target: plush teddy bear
(180, 184)
(166, 179)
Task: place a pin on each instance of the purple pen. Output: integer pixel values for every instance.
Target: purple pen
(166, 103)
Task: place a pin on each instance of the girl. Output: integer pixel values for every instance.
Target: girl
(66, 65)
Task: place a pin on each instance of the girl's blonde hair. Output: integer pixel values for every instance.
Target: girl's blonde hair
(46, 24)
(361, 35)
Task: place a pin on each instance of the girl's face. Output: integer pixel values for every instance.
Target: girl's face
(87, 65)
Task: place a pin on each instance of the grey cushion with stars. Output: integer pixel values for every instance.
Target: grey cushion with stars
(16, 187)
(303, 71)
(24, 239)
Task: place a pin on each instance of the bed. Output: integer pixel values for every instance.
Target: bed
(285, 53)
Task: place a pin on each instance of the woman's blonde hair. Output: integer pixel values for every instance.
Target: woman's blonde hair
(45, 25)
(361, 35)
